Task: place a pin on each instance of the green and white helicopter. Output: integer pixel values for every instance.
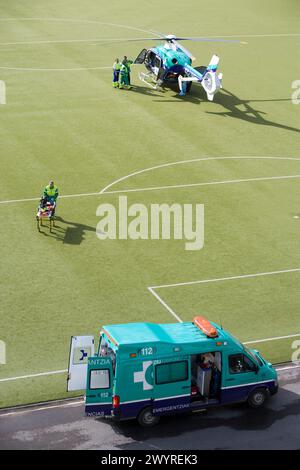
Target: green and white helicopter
(172, 63)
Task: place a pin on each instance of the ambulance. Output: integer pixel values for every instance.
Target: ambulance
(146, 370)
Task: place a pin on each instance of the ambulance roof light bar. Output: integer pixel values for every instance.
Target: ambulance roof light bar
(205, 326)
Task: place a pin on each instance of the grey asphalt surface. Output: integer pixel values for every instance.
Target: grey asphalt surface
(64, 426)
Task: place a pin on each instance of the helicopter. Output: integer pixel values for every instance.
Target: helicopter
(172, 63)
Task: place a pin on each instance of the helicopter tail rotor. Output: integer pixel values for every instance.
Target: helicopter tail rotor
(212, 81)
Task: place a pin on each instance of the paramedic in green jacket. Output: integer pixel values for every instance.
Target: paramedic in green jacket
(124, 76)
(128, 64)
(116, 73)
(51, 192)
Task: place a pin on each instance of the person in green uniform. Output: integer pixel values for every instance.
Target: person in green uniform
(51, 192)
(128, 65)
(50, 196)
(116, 73)
(124, 76)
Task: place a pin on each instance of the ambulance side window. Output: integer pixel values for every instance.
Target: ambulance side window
(171, 372)
(239, 363)
(99, 379)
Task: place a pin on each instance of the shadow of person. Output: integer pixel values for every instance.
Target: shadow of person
(74, 233)
(241, 109)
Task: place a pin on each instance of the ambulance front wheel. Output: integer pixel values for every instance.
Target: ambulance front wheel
(257, 398)
(147, 419)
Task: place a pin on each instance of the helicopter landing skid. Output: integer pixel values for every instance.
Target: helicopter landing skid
(147, 78)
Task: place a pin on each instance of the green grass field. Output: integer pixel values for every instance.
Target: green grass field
(64, 120)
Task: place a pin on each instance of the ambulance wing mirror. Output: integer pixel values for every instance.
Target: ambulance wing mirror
(81, 348)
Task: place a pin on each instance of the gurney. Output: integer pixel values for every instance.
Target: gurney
(46, 211)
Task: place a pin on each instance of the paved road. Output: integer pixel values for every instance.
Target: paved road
(63, 426)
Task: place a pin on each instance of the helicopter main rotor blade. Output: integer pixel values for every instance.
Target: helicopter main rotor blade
(171, 39)
(210, 40)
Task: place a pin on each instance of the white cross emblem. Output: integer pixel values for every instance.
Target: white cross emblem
(141, 376)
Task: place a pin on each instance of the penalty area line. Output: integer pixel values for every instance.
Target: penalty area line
(205, 281)
(255, 341)
(228, 278)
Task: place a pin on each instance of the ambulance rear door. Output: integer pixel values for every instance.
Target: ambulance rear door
(81, 348)
(99, 386)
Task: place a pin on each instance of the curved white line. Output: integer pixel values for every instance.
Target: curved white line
(66, 41)
(209, 183)
(182, 162)
(68, 20)
(78, 20)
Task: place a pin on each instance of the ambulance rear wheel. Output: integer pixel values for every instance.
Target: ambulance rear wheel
(257, 398)
(147, 419)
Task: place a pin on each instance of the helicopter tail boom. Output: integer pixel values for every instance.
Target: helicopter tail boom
(209, 79)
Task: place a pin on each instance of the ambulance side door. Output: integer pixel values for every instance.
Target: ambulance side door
(171, 384)
(240, 374)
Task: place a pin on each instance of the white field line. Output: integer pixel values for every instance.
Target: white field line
(193, 160)
(205, 281)
(67, 41)
(99, 40)
(78, 20)
(8, 379)
(164, 304)
(229, 278)
(212, 183)
(164, 165)
(31, 69)
(271, 35)
(188, 185)
(70, 20)
(272, 339)
(11, 201)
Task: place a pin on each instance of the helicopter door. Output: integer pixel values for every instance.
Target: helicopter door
(141, 57)
(156, 64)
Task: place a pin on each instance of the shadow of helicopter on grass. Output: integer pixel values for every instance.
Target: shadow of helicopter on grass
(235, 107)
(242, 109)
(73, 234)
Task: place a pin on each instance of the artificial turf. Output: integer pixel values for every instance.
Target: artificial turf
(63, 120)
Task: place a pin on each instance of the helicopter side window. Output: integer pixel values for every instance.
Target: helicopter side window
(150, 58)
(157, 62)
